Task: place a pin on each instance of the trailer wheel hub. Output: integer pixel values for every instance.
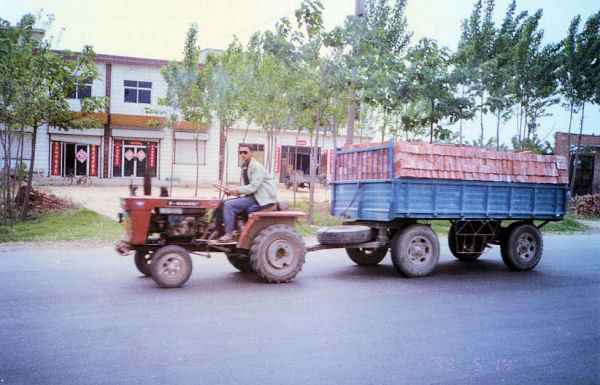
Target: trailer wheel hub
(526, 246)
(419, 250)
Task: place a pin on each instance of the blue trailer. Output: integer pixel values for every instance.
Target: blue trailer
(385, 212)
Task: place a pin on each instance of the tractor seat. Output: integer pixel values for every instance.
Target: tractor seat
(279, 206)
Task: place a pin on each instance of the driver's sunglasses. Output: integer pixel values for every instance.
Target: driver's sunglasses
(243, 152)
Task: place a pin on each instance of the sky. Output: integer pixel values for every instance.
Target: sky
(157, 29)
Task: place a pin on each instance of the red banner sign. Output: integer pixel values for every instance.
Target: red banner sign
(56, 158)
(93, 160)
(117, 160)
(301, 143)
(277, 159)
(152, 156)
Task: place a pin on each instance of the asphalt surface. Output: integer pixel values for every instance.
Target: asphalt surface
(80, 314)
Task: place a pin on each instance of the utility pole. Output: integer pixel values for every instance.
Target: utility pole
(359, 9)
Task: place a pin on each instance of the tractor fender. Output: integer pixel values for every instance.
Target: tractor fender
(262, 219)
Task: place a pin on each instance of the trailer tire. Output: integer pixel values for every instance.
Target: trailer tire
(465, 257)
(367, 257)
(171, 266)
(240, 261)
(415, 251)
(344, 234)
(522, 248)
(143, 261)
(277, 253)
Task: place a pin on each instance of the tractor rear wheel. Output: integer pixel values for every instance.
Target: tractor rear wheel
(277, 253)
(240, 262)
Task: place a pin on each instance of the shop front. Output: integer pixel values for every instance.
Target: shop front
(133, 158)
(74, 155)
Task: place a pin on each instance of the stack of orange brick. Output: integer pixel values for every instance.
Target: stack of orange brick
(433, 161)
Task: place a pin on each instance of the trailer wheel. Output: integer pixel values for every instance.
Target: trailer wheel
(415, 251)
(367, 257)
(522, 248)
(452, 245)
(344, 234)
(277, 253)
(171, 266)
(240, 261)
(143, 260)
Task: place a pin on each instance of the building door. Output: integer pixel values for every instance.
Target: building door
(81, 159)
(75, 159)
(134, 160)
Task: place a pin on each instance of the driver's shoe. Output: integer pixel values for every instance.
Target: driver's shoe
(227, 238)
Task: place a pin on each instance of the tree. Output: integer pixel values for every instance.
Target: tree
(373, 46)
(309, 52)
(428, 79)
(580, 69)
(42, 88)
(475, 53)
(224, 93)
(186, 93)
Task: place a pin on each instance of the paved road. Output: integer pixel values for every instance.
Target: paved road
(81, 314)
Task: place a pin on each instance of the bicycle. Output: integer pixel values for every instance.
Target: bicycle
(84, 180)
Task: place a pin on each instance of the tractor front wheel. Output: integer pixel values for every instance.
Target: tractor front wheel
(143, 260)
(171, 266)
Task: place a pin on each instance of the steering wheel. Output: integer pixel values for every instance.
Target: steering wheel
(221, 188)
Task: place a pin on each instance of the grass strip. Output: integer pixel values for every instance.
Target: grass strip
(66, 226)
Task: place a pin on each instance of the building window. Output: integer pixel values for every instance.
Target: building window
(82, 91)
(137, 92)
(185, 151)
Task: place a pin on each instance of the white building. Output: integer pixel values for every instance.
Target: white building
(127, 144)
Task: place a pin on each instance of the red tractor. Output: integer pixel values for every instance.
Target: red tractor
(163, 231)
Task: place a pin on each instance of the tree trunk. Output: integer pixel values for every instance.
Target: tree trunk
(569, 138)
(172, 158)
(6, 188)
(25, 207)
(313, 158)
(351, 110)
(498, 132)
(481, 120)
(573, 172)
(221, 152)
(431, 123)
(197, 165)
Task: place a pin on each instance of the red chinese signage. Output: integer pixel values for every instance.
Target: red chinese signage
(117, 160)
(56, 158)
(152, 156)
(301, 143)
(277, 158)
(93, 160)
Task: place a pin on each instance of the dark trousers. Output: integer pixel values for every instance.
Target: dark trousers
(229, 208)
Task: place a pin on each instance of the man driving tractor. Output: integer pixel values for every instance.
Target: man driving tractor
(258, 191)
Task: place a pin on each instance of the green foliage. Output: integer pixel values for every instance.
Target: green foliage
(428, 85)
(35, 84)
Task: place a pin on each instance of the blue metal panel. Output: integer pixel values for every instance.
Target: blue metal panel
(383, 200)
